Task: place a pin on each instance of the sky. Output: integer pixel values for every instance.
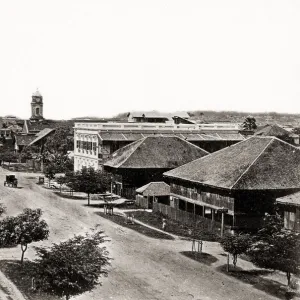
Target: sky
(103, 57)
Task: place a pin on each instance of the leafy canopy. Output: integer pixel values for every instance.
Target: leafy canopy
(72, 267)
(89, 180)
(23, 229)
(249, 123)
(236, 244)
(276, 248)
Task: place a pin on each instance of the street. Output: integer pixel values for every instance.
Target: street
(142, 267)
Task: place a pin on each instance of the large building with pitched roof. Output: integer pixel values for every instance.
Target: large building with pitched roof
(95, 142)
(145, 160)
(237, 184)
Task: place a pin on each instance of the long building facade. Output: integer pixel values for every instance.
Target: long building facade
(95, 142)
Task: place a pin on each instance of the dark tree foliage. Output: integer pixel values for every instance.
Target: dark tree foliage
(2, 209)
(72, 267)
(8, 156)
(249, 123)
(23, 229)
(236, 245)
(55, 150)
(276, 248)
(50, 171)
(296, 130)
(61, 180)
(89, 181)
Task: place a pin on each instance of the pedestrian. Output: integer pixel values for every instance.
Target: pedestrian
(164, 224)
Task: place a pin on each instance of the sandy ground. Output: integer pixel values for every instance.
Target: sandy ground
(142, 267)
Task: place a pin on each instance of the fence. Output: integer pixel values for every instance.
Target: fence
(186, 217)
(142, 202)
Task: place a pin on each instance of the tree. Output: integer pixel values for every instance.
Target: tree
(2, 209)
(23, 229)
(55, 150)
(276, 248)
(235, 245)
(61, 180)
(72, 267)
(296, 130)
(249, 123)
(8, 156)
(50, 171)
(89, 181)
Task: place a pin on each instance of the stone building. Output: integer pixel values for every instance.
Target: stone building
(37, 106)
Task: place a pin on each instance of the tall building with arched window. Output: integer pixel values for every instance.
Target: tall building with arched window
(37, 106)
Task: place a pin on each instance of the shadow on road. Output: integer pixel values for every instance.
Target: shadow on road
(68, 196)
(254, 278)
(202, 257)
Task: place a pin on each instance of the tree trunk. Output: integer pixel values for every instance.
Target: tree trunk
(88, 199)
(288, 276)
(234, 260)
(23, 248)
(228, 262)
(67, 297)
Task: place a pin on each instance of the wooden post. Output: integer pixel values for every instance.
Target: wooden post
(212, 214)
(222, 225)
(203, 211)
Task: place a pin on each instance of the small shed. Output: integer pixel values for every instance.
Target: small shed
(153, 192)
(289, 207)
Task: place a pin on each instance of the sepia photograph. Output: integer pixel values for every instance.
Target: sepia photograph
(150, 150)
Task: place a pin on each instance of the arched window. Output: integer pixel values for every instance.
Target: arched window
(37, 111)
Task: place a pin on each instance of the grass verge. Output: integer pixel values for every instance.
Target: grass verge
(136, 227)
(174, 227)
(21, 277)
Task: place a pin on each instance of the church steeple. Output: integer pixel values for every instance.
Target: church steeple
(37, 106)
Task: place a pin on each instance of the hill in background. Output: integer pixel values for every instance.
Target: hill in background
(239, 117)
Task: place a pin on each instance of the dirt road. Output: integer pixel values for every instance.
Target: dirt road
(143, 268)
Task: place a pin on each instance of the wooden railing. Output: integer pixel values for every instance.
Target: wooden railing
(186, 217)
(212, 199)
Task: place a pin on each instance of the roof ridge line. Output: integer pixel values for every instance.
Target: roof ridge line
(139, 142)
(206, 156)
(195, 146)
(280, 140)
(263, 150)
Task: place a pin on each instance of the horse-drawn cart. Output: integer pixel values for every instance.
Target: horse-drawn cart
(11, 181)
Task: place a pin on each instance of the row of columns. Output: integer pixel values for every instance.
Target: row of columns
(212, 215)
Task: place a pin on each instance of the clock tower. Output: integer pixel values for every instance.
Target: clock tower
(37, 106)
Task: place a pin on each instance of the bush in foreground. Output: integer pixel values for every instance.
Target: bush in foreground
(72, 267)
